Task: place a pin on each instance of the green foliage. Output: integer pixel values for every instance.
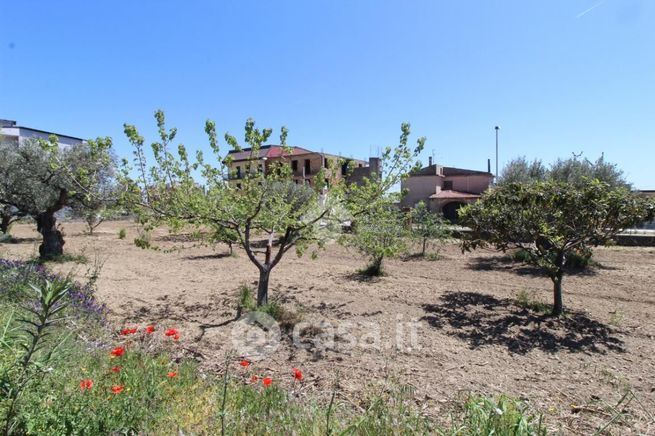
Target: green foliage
(122, 233)
(376, 192)
(576, 259)
(246, 302)
(519, 170)
(573, 171)
(31, 350)
(378, 234)
(268, 207)
(502, 416)
(428, 227)
(286, 318)
(551, 220)
(379, 228)
(39, 178)
(525, 300)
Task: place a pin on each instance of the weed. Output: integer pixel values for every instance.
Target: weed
(122, 233)
(525, 300)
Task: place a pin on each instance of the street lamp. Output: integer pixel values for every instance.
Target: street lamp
(497, 128)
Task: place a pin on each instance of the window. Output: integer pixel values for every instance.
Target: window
(308, 166)
(238, 172)
(260, 168)
(247, 169)
(360, 165)
(344, 168)
(326, 163)
(238, 185)
(448, 185)
(294, 165)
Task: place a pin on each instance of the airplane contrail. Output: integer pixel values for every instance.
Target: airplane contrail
(586, 11)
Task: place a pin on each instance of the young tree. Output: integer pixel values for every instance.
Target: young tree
(428, 226)
(378, 235)
(379, 229)
(268, 213)
(226, 236)
(39, 178)
(549, 220)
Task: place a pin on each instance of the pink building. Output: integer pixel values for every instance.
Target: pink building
(444, 189)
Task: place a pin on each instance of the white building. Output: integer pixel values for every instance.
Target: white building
(11, 132)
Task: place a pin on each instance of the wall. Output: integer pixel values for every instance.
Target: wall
(419, 189)
(474, 184)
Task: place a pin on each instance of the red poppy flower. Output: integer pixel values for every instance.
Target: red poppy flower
(244, 363)
(117, 389)
(267, 381)
(254, 379)
(150, 330)
(118, 352)
(297, 373)
(171, 374)
(86, 384)
(116, 369)
(176, 337)
(170, 332)
(131, 331)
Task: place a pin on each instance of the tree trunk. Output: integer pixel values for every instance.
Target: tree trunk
(425, 241)
(558, 307)
(557, 295)
(262, 287)
(53, 241)
(4, 224)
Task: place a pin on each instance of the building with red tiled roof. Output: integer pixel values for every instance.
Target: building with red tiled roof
(305, 164)
(444, 189)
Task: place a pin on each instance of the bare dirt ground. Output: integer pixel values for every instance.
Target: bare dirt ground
(471, 336)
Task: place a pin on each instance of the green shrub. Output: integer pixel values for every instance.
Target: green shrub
(122, 233)
(502, 416)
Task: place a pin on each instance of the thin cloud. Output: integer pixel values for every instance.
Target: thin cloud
(586, 11)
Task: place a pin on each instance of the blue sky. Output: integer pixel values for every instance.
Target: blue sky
(557, 76)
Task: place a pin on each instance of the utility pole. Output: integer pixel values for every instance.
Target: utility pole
(497, 128)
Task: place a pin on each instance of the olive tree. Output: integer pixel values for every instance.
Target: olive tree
(573, 170)
(8, 216)
(550, 220)
(39, 178)
(519, 170)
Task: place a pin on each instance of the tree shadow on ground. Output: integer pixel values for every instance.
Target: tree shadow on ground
(207, 256)
(19, 240)
(483, 320)
(506, 263)
(362, 277)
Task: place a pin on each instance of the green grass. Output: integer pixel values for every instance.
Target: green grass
(526, 300)
(64, 258)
